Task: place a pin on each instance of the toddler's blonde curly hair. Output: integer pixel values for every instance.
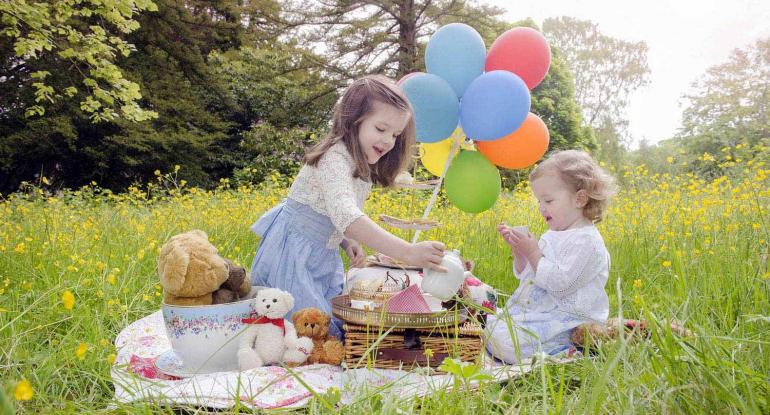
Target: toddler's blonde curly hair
(581, 172)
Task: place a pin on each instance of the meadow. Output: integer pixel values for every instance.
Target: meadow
(78, 266)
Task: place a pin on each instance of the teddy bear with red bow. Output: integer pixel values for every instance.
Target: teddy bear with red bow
(268, 338)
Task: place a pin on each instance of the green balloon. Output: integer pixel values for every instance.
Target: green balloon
(472, 182)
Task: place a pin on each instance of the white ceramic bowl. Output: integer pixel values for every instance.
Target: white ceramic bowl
(205, 337)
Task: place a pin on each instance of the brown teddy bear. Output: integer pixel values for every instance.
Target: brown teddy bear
(314, 323)
(592, 334)
(192, 273)
(236, 286)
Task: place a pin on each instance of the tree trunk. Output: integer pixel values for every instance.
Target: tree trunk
(407, 38)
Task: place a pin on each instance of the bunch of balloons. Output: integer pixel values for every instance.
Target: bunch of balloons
(468, 92)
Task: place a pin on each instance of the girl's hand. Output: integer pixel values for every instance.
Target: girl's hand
(427, 254)
(356, 254)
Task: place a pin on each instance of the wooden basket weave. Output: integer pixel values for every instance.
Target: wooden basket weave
(397, 348)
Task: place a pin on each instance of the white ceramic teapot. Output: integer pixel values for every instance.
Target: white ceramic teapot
(444, 285)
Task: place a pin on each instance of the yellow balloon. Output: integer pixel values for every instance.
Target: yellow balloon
(434, 155)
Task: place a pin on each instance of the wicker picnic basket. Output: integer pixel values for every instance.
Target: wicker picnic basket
(406, 348)
(375, 338)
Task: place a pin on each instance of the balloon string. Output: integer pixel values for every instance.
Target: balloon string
(455, 146)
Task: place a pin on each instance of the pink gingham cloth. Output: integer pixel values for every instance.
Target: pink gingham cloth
(408, 301)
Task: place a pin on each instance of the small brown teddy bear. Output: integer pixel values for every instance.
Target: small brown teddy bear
(235, 287)
(592, 334)
(192, 273)
(314, 323)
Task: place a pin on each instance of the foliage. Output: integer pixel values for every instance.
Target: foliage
(606, 71)
(730, 104)
(725, 121)
(67, 49)
(359, 37)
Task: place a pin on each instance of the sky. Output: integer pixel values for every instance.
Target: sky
(685, 38)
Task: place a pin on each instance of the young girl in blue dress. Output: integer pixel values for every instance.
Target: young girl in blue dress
(370, 142)
(561, 276)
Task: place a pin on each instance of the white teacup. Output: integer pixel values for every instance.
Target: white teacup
(522, 229)
(206, 337)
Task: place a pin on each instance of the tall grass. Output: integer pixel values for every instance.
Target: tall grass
(682, 248)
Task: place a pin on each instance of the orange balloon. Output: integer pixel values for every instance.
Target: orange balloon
(519, 149)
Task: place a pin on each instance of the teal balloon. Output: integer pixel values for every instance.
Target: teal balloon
(456, 52)
(435, 105)
(472, 182)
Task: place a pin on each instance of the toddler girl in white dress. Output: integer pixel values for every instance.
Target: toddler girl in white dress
(561, 277)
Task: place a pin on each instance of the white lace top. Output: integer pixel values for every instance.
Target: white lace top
(569, 281)
(330, 189)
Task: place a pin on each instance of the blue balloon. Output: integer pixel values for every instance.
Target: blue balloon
(494, 105)
(436, 108)
(456, 52)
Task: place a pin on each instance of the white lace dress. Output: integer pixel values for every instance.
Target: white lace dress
(300, 237)
(566, 290)
(331, 190)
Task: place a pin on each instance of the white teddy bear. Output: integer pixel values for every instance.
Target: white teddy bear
(269, 339)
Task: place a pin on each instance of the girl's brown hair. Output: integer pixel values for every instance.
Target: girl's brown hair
(355, 105)
(581, 172)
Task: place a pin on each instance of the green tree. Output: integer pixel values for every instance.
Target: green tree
(606, 71)
(730, 104)
(283, 101)
(358, 37)
(727, 113)
(170, 65)
(70, 49)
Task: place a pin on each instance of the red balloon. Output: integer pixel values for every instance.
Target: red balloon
(523, 51)
(519, 149)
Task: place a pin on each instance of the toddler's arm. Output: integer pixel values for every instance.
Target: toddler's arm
(571, 270)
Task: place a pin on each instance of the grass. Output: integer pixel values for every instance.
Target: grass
(682, 248)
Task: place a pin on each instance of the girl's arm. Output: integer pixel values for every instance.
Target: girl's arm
(427, 254)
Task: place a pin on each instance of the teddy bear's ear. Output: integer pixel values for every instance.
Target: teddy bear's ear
(288, 300)
(199, 233)
(325, 318)
(296, 317)
(172, 268)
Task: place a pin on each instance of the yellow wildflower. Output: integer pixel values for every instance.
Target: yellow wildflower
(111, 358)
(80, 352)
(23, 391)
(666, 263)
(68, 300)
(637, 283)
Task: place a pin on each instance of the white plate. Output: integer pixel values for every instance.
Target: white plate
(170, 364)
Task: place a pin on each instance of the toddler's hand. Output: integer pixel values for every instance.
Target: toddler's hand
(356, 254)
(526, 244)
(505, 232)
(427, 254)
